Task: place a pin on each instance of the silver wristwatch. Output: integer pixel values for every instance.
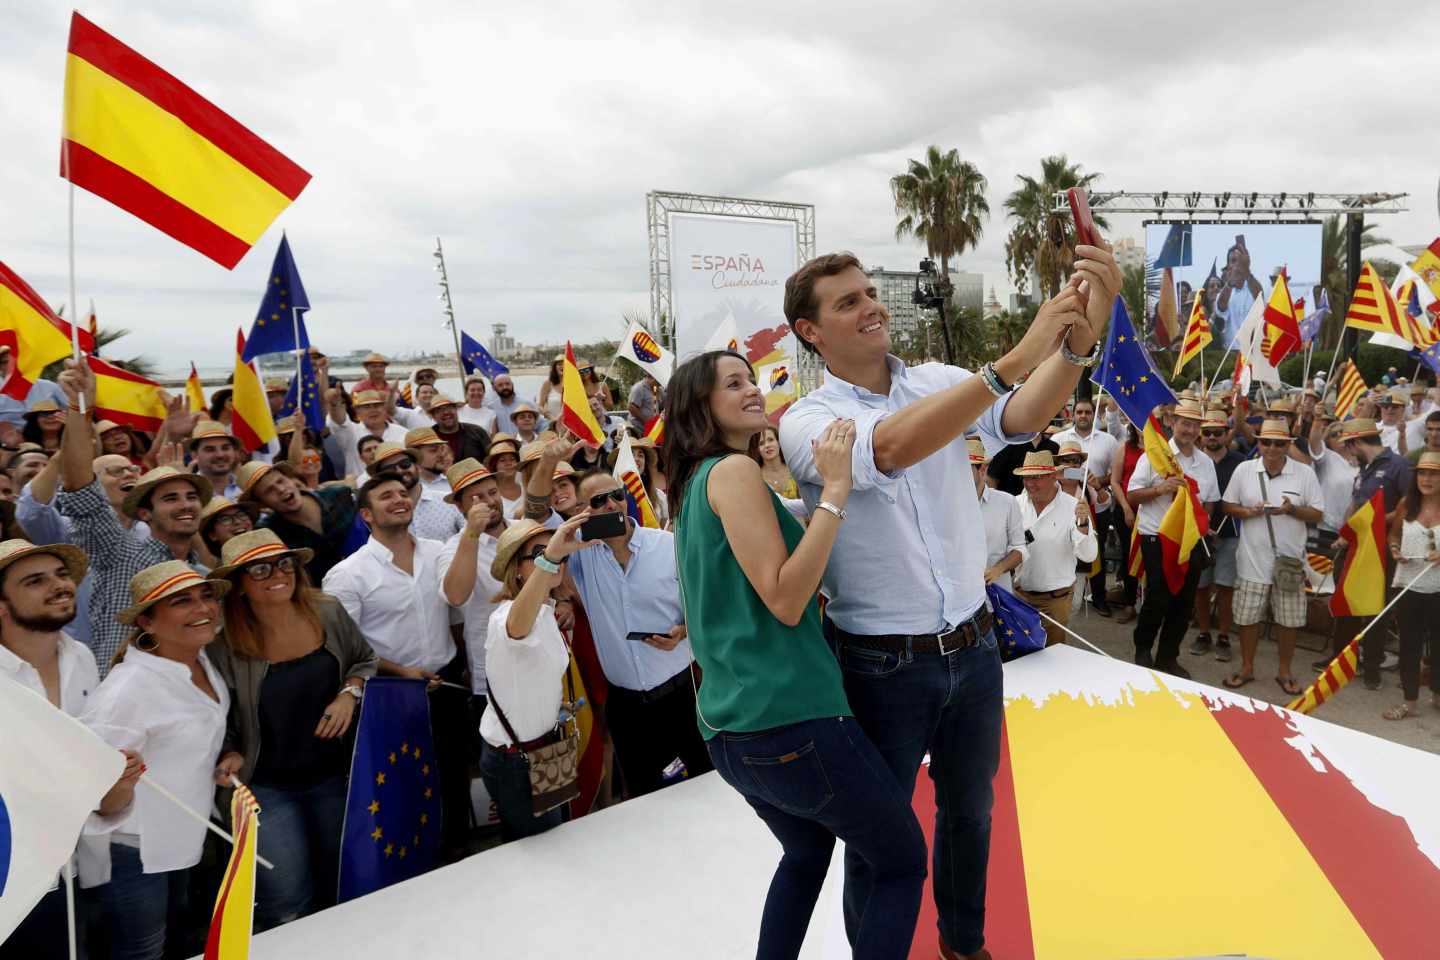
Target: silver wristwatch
(1088, 360)
(829, 507)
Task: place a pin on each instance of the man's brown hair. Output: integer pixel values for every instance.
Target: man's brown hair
(800, 288)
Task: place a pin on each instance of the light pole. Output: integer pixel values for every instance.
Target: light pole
(449, 310)
(931, 291)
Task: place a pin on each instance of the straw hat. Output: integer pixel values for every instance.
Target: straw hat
(1394, 398)
(515, 536)
(1214, 420)
(558, 358)
(1053, 429)
(276, 385)
(463, 474)
(209, 430)
(73, 557)
(562, 469)
(385, 451)
(252, 547)
(1275, 430)
(1038, 463)
(153, 584)
(523, 407)
(1427, 461)
(219, 505)
(1283, 405)
(502, 443)
(440, 400)
(285, 425)
(363, 398)
(1359, 427)
(373, 357)
(422, 437)
(249, 474)
(429, 370)
(1190, 410)
(977, 450)
(532, 452)
(160, 475)
(103, 427)
(1072, 448)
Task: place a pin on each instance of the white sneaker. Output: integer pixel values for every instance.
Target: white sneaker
(1390, 662)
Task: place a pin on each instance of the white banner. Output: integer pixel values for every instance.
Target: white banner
(733, 270)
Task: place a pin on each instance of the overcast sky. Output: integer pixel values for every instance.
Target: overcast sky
(526, 136)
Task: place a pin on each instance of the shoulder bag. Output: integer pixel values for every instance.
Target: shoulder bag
(554, 758)
(1289, 574)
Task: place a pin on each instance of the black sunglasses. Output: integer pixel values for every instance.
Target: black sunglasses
(265, 569)
(1274, 443)
(598, 501)
(404, 463)
(1212, 433)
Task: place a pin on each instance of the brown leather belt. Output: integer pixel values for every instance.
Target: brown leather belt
(964, 636)
(1052, 594)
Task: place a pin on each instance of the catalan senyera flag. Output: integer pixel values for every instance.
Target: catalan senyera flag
(1336, 674)
(1185, 522)
(36, 336)
(232, 921)
(1374, 307)
(1427, 266)
(1282, 326)
(1352, 388)
(627, 471)
(194, 391)
(250, 419)
(575, 413)
(1197, 335)
(126, 397)
(1360, 588)
(138, 137)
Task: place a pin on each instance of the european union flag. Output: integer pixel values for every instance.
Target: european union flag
(309, 387)
(284, 302)
(1310, 326)
(475, 357)
(1018, 629)
(392, 818)
(1126, 371)
(1177, 250)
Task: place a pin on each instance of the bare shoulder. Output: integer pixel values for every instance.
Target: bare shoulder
(735, 469)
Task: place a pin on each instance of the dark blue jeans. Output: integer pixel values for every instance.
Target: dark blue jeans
(507, 777)
(300, 834)
(145, 909)
(812, 782)
(950, 706)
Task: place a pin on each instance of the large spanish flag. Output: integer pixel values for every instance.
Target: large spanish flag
(126, 397)
(1360, 588)
(36, 336)
(575, 412)
(250, 417)
(137, 136)
(230, 924)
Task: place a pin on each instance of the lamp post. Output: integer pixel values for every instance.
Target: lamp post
(449, 310)
(931, 292)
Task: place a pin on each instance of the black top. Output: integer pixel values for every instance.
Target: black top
(1224, 469)
(1002, 466)
(343, 530)
(293, 697)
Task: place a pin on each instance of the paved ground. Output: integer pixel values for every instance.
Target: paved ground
(1353, 706)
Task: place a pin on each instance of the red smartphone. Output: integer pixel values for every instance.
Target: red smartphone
(1084, 223)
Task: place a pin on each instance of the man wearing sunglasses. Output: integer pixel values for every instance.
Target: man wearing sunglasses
(632, 596)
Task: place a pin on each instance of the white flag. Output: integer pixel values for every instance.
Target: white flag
(726, 336)
(53, 772)
(643, 350)
(1249, 340)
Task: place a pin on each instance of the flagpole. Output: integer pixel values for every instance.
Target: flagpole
(74, 330)
(213, 828)
(1226, 356)
(1305, 377)
(450, 314)
(1393, 600)
(70, 909)
(1072, 633)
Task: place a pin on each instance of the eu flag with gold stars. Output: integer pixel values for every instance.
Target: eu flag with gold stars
(282, 307)
(1126, 371)
(1018, 629)
(392, 816)
(308, 391)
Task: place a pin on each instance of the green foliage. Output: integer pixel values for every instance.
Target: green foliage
(1372, 361)
(1041, 244)
(941, 200)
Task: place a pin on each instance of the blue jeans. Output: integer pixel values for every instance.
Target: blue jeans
(507, 777)
(950, 706)
(143, 908)
(300, 834)
(812, 782)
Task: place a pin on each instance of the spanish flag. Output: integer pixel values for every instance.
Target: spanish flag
(655, 429)
(1352, 388)
(1360, 589)
(575, 413)
(250, 419)
(36, 336)
(194, 391)
(1197, 335)
(230, 924)
(1282, 326)
(138, 137)
(1427, 266)
(126, 397)
(1185, 523)
(1166, 311)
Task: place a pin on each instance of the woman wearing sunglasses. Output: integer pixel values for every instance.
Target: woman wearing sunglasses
(296, 665)
(772, 707)
(594, 386)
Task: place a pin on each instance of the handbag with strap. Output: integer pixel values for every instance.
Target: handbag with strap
(1289, 575)
(554, 758)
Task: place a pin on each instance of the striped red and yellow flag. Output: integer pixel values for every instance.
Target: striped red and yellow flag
(126, 397)
(194, 391)
(232, 921)
(1282, 326)
(1336, 674)
(138, 137)
(1352, 388)
(250, 417)
(1197, 335)
(36, 336)
(575, 412)
(1185, 522)
(1374, 307)
(1360, 588)
(655, 429)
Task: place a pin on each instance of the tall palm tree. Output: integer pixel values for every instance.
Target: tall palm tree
(941, 200)
(1042, 243)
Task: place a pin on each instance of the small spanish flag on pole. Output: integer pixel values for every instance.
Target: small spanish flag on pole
(194, 391)
(1360, 588)
(250, 417)
(232, 922)
(575, 413)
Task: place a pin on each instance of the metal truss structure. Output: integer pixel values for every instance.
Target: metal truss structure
(659, 204)
(1238, 206)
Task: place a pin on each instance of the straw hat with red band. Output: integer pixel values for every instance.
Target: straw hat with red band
(219, 505)
(73, 557)
(147, 483)
(463, 474)
(502, 443)
(532, 452)
(209, 430)
(1358, 428)
(563, 471)
(1275, 430)
(422, 437)
(249, 474)
(516, 535)
(374, 358)
(1038, 463)
(1213, 421)
(977, 450)
(252, 547)
(1427, 461)
(1190, 410)
(1072, 448)
(153, 584)
(440, 400)
(363, 398)
(384, 452)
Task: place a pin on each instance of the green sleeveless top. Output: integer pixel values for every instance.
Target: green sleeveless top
(758, 673)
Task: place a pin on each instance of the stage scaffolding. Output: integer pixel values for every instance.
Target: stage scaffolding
(1239, 206)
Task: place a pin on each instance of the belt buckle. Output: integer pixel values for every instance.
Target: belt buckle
(940, 639)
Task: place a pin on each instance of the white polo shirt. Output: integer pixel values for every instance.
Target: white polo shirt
(477, 609)
(1198, 466)
(1056, 543)
(1255, 560)
(404, 616)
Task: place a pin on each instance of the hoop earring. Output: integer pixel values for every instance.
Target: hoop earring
(139, 643)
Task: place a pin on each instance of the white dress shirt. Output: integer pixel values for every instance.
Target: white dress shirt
(1390, 435)
(151, 705)
(1056, 543)
(1255, 560)
(1099, 449)
(78, 674)
(412, 418)
(482, 417)
(1004, 531)
(906, 560)
(477, 609)
(405, 617)
(1198, 467)
(527, 676)
(1337, 483)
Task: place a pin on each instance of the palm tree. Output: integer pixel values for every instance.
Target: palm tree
(1334, 272)
(1042, 242)
(941, 200)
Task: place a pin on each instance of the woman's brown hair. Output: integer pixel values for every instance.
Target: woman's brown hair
(242, 629)
(691, 434)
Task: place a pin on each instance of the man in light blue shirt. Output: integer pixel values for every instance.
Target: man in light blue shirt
(631, 595)
(905, 581)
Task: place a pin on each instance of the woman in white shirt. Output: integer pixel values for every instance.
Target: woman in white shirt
(164, 700)
(526, 659)
(1414, 543)
(474, 410)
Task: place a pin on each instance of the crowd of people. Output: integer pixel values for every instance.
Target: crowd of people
(215, 613)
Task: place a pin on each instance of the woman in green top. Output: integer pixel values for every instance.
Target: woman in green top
(772, 706)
